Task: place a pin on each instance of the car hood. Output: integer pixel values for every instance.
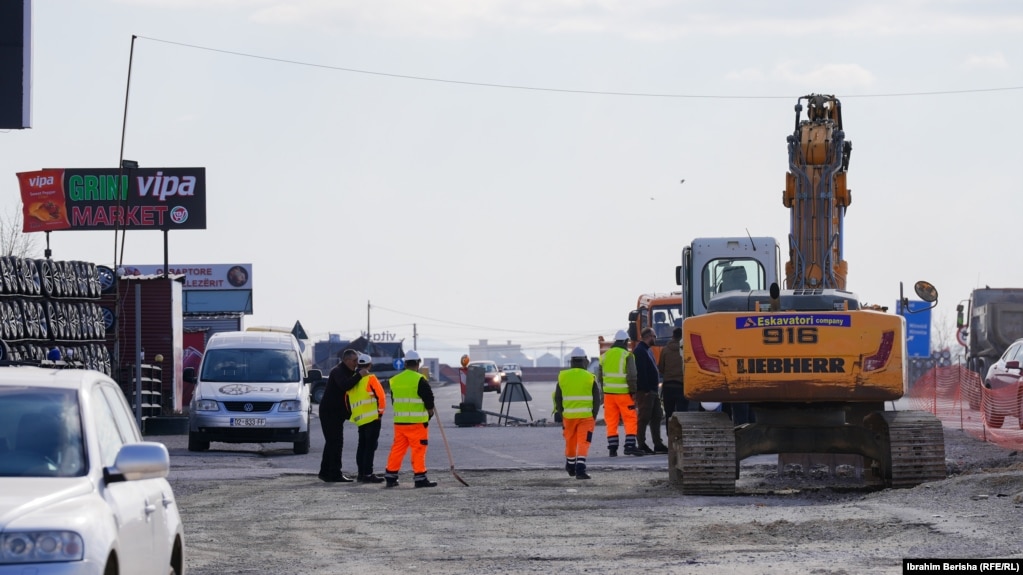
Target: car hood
(41, 497)
(235, 391)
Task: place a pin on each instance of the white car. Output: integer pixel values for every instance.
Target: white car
(511, 368)
(80, 492)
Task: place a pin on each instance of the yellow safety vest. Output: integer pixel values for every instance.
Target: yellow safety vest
(613, 367)
(363, 402)
(576, 393)
(408, 406)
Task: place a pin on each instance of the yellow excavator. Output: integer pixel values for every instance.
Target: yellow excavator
(811, 366)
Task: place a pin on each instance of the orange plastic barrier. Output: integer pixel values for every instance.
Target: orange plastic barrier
(958, 397)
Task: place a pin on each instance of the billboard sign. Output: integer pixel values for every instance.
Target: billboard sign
(201, 276)
(112, 198)
(15, 64)
(918, 328)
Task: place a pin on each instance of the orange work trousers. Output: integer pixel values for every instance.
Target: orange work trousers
(578, 435)
(408, 436)
(620, 406)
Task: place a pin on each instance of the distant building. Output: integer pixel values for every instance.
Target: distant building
(500, 353)
(548, 360)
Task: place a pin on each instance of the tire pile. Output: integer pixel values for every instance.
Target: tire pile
(47, 304)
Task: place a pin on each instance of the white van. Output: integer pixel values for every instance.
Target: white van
(252, 387)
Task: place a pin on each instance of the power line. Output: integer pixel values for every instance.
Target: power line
(563, 90)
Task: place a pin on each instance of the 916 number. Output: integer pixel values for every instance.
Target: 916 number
(779, 335)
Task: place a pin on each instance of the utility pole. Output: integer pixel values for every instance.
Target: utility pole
(368, 336)
(415, 337)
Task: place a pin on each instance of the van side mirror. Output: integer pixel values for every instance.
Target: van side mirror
(313, 375)
(188, 374)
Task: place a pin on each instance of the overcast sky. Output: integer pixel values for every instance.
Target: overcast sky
(511, 170)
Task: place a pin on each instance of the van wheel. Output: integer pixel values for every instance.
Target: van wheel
(302, 446)
(317, 395)
(196, 442)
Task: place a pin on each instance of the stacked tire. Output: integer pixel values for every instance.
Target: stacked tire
(47, 304)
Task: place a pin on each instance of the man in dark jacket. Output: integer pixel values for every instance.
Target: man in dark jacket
(672, 369)
(334, 412)
(648, 403)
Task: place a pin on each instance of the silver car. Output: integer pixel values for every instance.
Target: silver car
(80, 492)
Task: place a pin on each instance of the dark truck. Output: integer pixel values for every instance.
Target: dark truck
(327, 354)
(993, 319)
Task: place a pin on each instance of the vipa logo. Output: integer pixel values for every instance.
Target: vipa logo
(40, 181)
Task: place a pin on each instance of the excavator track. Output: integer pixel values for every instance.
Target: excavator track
(702, 456)
(916, 447)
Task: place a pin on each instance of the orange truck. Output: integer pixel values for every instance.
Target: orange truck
(661, 311)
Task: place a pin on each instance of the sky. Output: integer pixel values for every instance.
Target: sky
(510, 170)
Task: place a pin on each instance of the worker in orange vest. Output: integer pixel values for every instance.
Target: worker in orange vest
(366, 402)
(577, 399)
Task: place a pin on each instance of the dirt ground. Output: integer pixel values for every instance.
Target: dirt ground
(626, 520)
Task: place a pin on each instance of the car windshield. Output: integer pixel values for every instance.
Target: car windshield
(40, 432)
(250, 365)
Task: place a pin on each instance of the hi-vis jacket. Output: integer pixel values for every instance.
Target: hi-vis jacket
(576, 396)
(366, 400)
(618, 371)
(409, 405)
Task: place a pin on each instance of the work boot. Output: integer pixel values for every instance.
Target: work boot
(391, 482)
(646, 450)
(612, 452)
(660, 448)
(424, 482)
(631, 450)
(580, 470)
(570, 468)
(370, 479)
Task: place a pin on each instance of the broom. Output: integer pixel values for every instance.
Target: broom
(448, 449)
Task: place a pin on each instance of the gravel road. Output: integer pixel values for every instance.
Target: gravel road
(625, 519)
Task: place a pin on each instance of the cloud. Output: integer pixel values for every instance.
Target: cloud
(992, 61)
(746, 75)
(830, 75)
(648, 20)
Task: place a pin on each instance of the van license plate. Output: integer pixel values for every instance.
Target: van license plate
(248, 421)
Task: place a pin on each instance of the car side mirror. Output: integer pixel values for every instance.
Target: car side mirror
(1014, 364)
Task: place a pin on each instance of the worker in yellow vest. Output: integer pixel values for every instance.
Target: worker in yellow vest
(577, 399)
(367, 402)
(413, 405)
(617, 377)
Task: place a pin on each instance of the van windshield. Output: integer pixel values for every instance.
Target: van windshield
(250, 365)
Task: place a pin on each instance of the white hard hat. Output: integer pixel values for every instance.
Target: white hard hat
(365, 359)
(578, 352)
(412, 356)
(620, 335)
